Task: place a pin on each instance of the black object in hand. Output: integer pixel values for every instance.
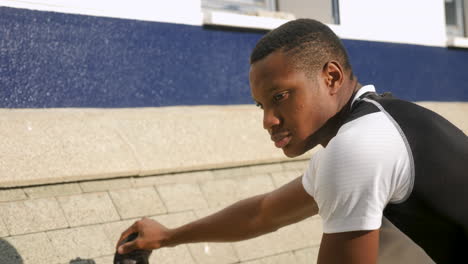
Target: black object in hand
(134, 257)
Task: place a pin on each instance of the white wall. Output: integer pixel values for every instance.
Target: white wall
(415, 21)
(402, 21)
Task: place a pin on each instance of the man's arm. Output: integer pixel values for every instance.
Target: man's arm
(245, 219)
(356, 247)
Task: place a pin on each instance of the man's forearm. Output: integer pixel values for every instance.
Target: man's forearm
(237, 222)
(249, 218)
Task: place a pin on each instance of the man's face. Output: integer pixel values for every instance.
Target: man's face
(294, 104)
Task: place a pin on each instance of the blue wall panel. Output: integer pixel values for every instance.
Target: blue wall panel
(61, 60)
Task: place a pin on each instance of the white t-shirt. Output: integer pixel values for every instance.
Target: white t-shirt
(362, 169)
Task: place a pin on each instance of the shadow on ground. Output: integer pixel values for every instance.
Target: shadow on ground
(8, 253)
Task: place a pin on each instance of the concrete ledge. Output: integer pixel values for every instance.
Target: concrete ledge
(42, 146)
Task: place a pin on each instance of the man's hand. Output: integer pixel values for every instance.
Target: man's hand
(151, 235)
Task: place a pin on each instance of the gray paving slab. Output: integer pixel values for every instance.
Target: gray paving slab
(32, 216)
(307, 255)
(254, 185)
(175, 255)
(105, 185)
(300, 165)
(175, 219)
(182, 196)
(84, 242)
(137, 202)
(213, 253)
(312, 230)
(8, 195)
(3, 229)
(284, 258)
(115, 229)
(232, 172)
(52, 190)
(220, 193)
(28, 249)
(266, 168)
(182, 177)
(286, 239)
(283, 177)
(86, 209)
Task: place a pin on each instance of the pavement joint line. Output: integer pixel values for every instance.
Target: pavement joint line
(63, 212)
(203, 195)
(162, 200)
(114, 205)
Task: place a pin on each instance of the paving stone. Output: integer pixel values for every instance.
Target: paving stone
(276, 259)
(312, 230)
(213, 253)
(8, 195)
(257, 261)
(207, 211)
(175, 255)
(85, 209)
(286, 239)
(137, 202)
(52, 190)
(3, 229)
(176, 219)
(181, 197)
(114, 230)
(254, 185)
(105, 185)
(185, 177)
(281, 178)
(27, 249)
(296, 165)
(220, 193)
(84, 242)
(266, 168)
(307, 255)
(232, 172)
(32, 216)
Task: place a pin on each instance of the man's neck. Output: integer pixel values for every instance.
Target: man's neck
(331, 127)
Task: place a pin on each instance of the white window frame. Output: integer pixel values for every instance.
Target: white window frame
(242, 6)
(459, 28)
(457, 35)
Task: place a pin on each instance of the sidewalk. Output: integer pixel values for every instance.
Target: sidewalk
(59, 223)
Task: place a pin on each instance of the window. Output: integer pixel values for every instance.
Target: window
(455, 17)
(241, 6)
(326, 11)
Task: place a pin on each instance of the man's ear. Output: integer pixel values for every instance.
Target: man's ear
(333, 73)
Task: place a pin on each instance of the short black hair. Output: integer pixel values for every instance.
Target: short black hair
(309, 42)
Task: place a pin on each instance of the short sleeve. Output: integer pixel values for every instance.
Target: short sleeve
(357, 174)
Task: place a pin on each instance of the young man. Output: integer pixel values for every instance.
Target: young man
(389, 183)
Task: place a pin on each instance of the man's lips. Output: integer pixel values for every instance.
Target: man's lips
(281, 139)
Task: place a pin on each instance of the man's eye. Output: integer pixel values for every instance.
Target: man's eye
(259, 105)
(280, 96)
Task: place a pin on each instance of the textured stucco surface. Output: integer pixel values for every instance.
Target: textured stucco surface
(43, 146)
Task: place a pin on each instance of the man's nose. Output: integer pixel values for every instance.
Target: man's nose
(270, 119)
